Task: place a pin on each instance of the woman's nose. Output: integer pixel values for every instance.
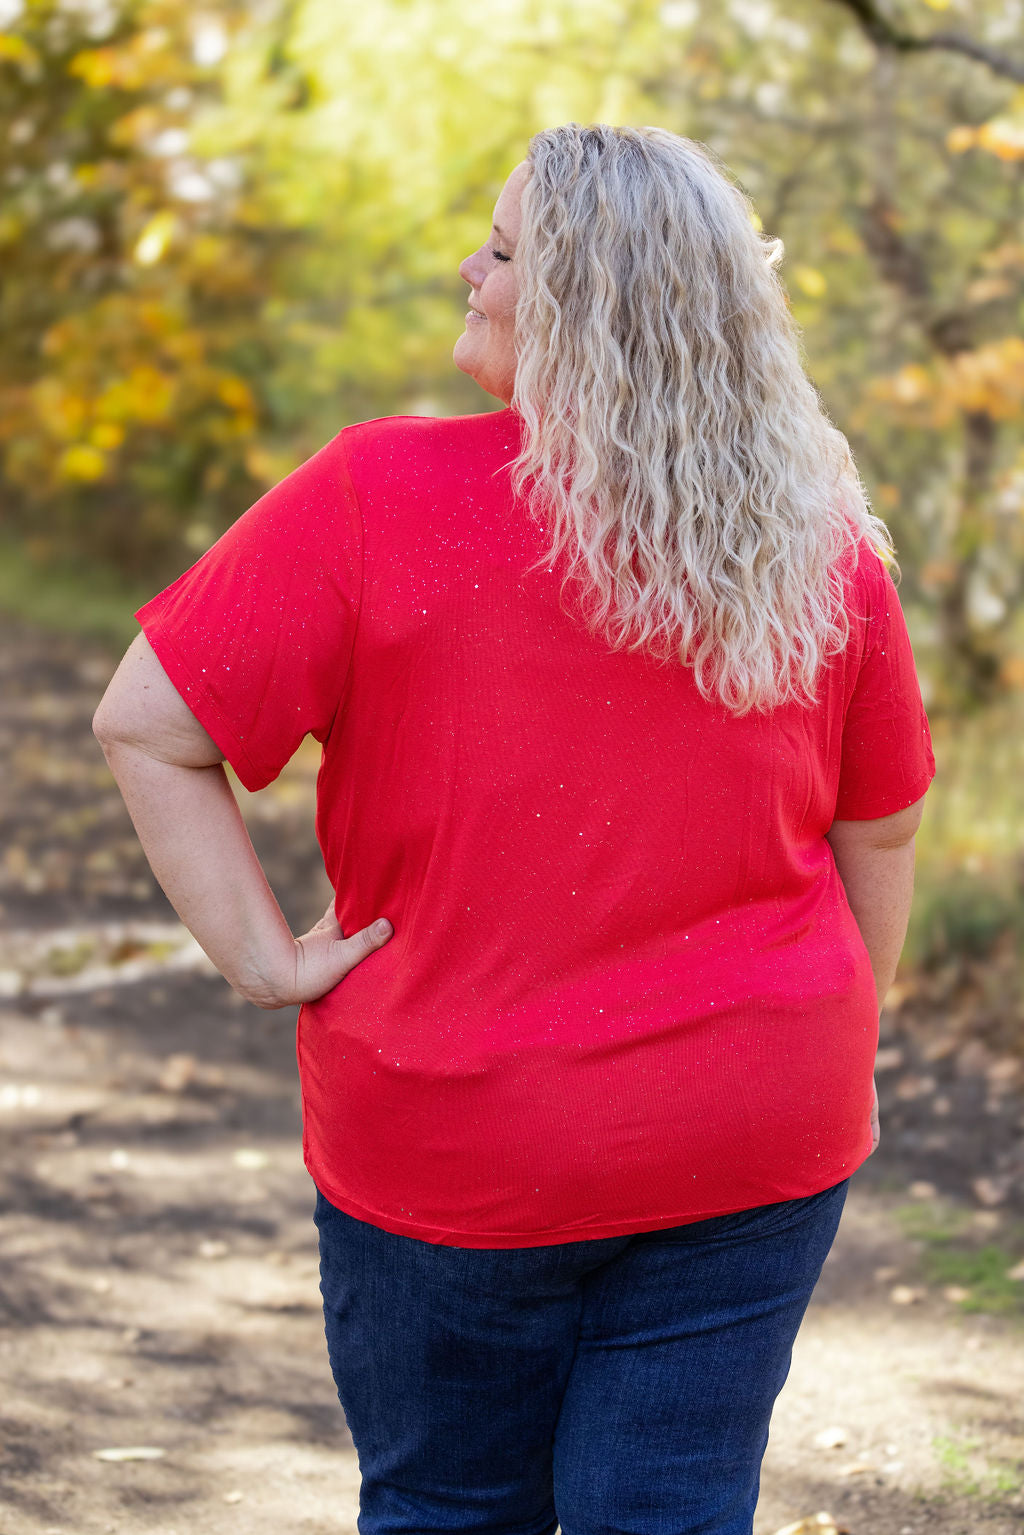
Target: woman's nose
(468, 268)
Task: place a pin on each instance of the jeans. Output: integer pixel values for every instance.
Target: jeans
(623, 1384)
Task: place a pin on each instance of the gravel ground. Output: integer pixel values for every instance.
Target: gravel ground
(159, 1285)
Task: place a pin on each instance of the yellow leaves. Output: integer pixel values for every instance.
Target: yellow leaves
(1002, 136)
(1012, 675)
(150, 393)
(82, 462)
(187, 347)
(815, 1524)
(267, 466)
(235, 392)
(985, 290)
(145, 395)
(68, 416)
(103, 67)
(61, 410)
(107, 435)
(128, 66)
(156, 319)
(937, 5)
(156, 237)
(136, 127)
(810, 281)
(910, 385)
(989, 379)
(960, 139)
(209, 249)
(18, 51)
(843, 239)
(937, 574)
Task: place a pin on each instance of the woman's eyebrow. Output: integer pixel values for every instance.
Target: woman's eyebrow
(498, 231)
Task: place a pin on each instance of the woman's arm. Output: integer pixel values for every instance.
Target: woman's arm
(875, 860)
(172, 779)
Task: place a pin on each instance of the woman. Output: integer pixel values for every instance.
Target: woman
(622, 740)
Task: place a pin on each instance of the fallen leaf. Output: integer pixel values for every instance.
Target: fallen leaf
(855, 1468)
(1003, 1071)
(956, 1292)
(990, 1191)
(905, 1295)
(911, 1086)
(1017, 1272)
(830, 1438)
(130, 1452)
(210, 1249)
(973, 1059)
(232, 1497)
(922, 1190)
(248, 1156)
(814, 1524)
(177, 1073)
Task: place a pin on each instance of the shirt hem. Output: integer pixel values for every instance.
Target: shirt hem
(854, 810)
(440, 1236)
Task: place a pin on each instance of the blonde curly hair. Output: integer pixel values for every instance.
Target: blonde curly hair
(672, 442)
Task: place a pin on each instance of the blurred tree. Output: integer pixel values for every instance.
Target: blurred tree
(970, 375)
(228, 232)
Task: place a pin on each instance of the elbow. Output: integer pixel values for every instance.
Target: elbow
(110, 725)
(103, 727)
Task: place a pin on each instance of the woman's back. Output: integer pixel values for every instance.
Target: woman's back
(625, 989)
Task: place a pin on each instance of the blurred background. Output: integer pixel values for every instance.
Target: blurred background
(229, 229)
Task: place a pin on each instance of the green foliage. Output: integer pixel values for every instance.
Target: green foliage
(70, 596)
(951, 1254)
(968, 917)
(968, 1472)
(228, 231)
(967, 921)
(984, 1272)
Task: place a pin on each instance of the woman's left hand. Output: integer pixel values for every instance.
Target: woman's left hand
(323, 957)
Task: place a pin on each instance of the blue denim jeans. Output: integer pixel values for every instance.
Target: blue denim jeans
(623, 1384)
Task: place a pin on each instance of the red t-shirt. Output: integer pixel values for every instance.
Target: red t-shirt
(625, 989)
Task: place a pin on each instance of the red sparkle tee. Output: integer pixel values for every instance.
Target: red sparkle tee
(625, 988)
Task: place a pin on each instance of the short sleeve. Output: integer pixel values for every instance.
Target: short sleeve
(887, 759)
(257, 635)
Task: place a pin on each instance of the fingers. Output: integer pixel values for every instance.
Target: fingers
(372, 937)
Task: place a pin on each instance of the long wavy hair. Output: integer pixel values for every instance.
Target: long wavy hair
(672, 442)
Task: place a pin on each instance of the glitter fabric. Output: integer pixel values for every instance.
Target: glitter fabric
(625, 989)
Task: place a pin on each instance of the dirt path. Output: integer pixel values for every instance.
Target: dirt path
(159, 1283)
